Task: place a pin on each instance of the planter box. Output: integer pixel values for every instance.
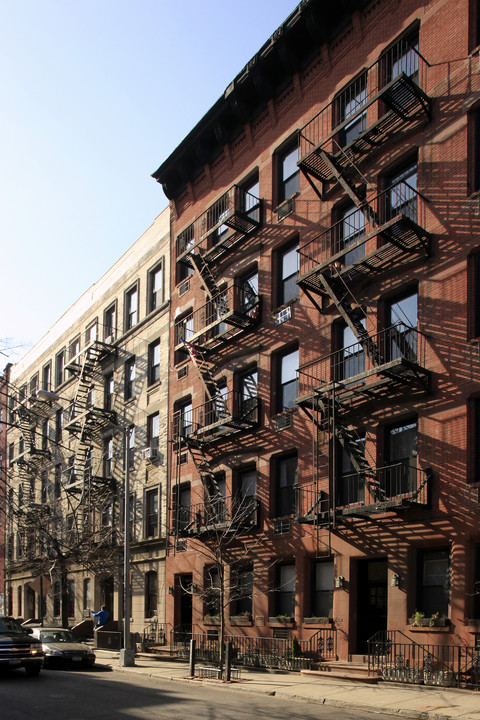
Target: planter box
(428, 623)
(240, 620)
(281, 621)
(211, 620)
(317, 620)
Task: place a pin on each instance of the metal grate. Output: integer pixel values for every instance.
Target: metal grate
(183, 288)
(183, 372)
(283, 421)
(281, 527)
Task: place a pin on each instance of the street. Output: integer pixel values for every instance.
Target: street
(103, 693)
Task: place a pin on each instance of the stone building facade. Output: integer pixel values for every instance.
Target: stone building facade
(98, 377)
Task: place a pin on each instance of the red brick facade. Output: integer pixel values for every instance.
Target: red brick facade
(381, 519)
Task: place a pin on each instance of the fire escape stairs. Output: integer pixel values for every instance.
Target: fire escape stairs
(206, 275)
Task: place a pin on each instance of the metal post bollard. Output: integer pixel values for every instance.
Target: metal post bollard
(228, 661)
(192, 658)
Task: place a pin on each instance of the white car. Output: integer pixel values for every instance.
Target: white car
(62, 648)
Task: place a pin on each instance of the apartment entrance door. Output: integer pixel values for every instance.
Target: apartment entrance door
(371, 601)
(183, 607)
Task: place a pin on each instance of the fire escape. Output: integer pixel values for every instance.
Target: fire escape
(85, 421)
(377, 234)
(229, 311)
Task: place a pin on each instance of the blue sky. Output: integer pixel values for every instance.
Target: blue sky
(95, 94)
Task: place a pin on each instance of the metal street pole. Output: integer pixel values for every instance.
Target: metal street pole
(127, 654)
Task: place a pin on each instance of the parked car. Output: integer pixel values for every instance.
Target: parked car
(62, 648)
(18, 647)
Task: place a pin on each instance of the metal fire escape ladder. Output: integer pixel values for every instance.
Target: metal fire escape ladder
(212, 388)
(351, 313)
(206, 275)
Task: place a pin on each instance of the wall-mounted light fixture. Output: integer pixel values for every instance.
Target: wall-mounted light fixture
(193, 588)
(339, 581)
(170, 590)
(395, 580)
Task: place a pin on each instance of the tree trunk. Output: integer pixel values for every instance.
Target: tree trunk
(64, 595)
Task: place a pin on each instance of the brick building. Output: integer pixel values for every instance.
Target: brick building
(97, 377)
(4, 382)
(324, 340)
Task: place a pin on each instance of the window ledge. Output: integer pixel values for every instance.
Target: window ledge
(430, 629)
(154, 386)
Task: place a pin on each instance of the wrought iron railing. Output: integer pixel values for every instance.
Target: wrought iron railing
(426, 664)
(255, 651)
(345, 366)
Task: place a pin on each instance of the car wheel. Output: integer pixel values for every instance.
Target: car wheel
(33, 669)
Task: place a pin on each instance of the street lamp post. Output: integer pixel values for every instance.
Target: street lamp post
(127, 653)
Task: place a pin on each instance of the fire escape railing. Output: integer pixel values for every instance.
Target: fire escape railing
(226, 512)
(341, 369)
(402, 213)
(229, 412)
(377, 95)
(236, 210)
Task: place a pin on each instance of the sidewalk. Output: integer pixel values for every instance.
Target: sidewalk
(406, 701)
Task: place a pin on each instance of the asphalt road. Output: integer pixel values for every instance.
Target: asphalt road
(103, 693)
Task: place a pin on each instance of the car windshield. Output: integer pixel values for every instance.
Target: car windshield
(9, 626)
(57, 636)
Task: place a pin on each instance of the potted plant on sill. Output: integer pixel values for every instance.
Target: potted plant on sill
(419, 620)
(211, 619)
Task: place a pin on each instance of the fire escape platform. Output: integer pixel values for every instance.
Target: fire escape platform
(208, 339)
(398, 374)
(403, 240)
(406, 104)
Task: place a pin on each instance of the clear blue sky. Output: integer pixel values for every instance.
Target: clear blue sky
(95, 94)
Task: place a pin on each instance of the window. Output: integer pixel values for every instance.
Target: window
(108, 457)
(286, 391)
(284, 603)
(74, 348)
(350, 482)
(402, 196)
(57, 487)
(151, 594)
(44, 487)
(401, 317)
(287, 288)
(241, 591)
(45, 434)
(131, 307)
(154, 362)
(34, 385)
(349, 231)
(215, 509)
(58, 425)
(109, 389)
(289, 172)
(151, 513)
(322, 600)
(110, 323)
(11, 453)
(183, 334)
(248, 387)
(402, 58)
(91, 332)
(106, 519)
(71, 598)
(155, 287)
(87, 594)
(350, 111)
(130, 372)
(47, 376)
(401, 458)
(249, 294)
(251, 199)
(59, 367)
(211, 591)
(153, 430)
(285, 469)
(183, 417)
(433, 581)
(351, 356)
(246, 495)
(88, 470)
(182, 505)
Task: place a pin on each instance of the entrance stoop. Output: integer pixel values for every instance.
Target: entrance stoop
(356, 670)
